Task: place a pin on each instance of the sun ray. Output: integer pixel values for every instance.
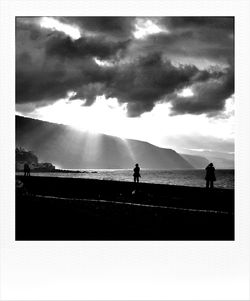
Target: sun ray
(92, 147)
(130, 151)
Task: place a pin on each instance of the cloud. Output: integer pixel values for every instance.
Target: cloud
(50, 64)
(209, 97)
(148, 80)
(64, 47)
(109, 27)
(47, 68)
(192, 38)
(202, 23)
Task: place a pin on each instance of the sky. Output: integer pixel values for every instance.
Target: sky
(165, 80)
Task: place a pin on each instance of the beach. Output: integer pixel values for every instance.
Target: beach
(54, 208)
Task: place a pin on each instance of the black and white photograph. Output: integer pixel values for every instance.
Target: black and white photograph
(124, 158)
(124, 128)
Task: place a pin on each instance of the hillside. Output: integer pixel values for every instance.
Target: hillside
(69, 148)
(197, 162)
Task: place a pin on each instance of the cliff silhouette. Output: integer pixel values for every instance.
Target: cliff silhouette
(26, 156)
(69, 148)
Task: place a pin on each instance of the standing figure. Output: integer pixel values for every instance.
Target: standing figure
(26, 169)
(210, 176)
(136, 173)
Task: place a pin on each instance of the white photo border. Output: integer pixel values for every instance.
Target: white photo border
(123, 270)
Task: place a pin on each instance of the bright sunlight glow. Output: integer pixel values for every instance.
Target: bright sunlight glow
(53, 24)
(187, 92)
(103, 63)
(108, 116)
(144, 28)
(103, 116)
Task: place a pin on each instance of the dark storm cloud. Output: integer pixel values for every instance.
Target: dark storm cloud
(149, 80)
(142, 83)
(210, 38)
(209, 97)
(49, 64)
(51, 79)
(48, 82)
(217, 23)
(65, 47)
(189, 44)
(205, 38)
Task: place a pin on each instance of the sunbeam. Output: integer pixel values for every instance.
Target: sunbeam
(129, 149)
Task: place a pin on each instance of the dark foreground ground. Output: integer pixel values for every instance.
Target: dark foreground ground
(51, 208)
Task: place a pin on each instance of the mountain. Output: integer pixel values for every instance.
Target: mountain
(197, 162)
(222, 163)
(221, 160)
(69, 148)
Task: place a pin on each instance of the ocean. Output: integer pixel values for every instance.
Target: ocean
(194, 178)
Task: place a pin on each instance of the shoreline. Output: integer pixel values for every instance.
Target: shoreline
(167, 177)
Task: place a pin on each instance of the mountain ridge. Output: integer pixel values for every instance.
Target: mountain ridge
(66, 147)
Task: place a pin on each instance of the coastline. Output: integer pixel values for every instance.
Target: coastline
(191, 178)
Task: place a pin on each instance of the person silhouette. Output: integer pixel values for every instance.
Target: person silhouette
(26, 169)
(210, 176)
(136, 173)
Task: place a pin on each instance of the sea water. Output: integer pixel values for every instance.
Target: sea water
(195, 178)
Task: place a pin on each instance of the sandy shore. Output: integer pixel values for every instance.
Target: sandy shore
(53, 208)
